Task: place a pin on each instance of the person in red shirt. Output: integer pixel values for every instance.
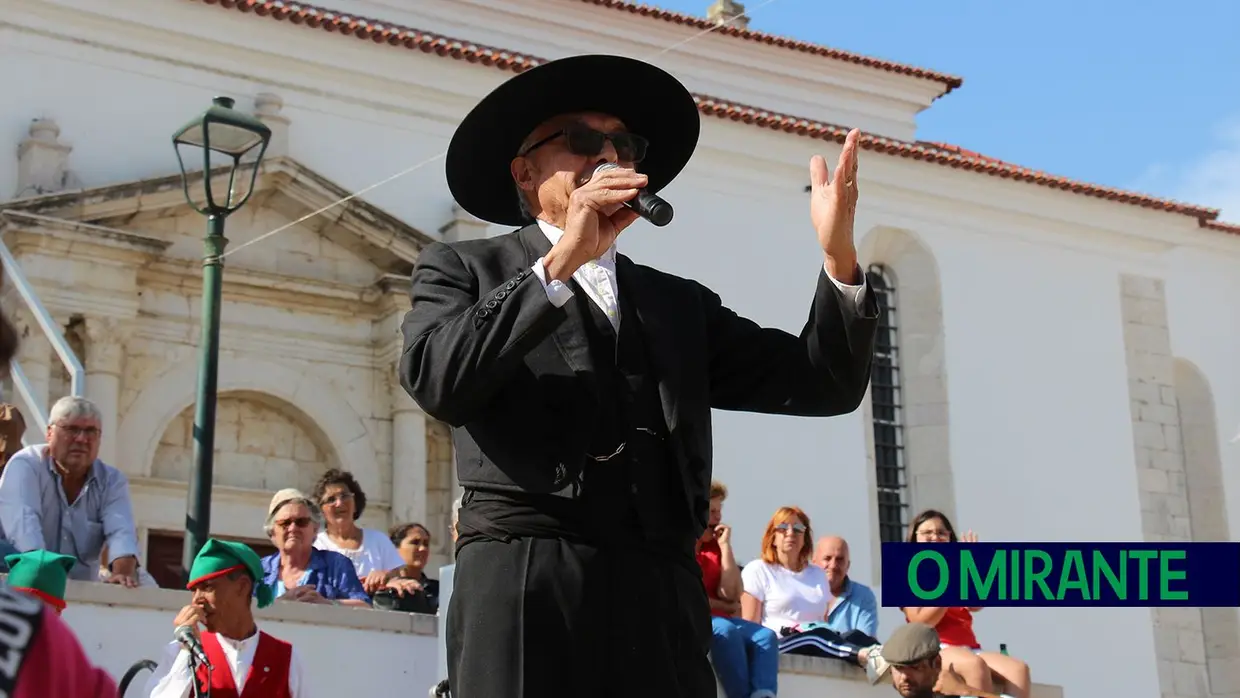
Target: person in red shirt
(745, 654)
(960, 648)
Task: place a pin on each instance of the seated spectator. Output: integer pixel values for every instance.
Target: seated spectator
(851, 605)
(374, 558)
(12, 429)
(912, 656)
(43, 574)
(745, 654)
(954, 626)
(60, 497)
(298, 571)
(782, 589)
(413, 542)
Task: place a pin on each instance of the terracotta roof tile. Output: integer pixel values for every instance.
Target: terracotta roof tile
(937, 153)
(950, 81)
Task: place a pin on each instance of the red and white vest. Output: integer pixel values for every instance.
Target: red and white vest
(269, 672)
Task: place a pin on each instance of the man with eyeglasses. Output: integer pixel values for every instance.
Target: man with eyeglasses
(579, 384)
(60, 497)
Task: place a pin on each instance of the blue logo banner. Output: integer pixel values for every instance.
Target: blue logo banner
(1200, 575)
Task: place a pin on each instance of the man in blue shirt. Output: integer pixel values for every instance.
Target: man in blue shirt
(852, 605)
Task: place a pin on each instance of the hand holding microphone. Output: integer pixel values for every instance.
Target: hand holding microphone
(186, 633)
(645, 204)
(597, 213)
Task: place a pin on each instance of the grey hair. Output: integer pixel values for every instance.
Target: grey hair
(72, 407)
(316, 514)
(524, 203)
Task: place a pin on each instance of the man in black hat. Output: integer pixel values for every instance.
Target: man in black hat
(580, 384)
(911, 654)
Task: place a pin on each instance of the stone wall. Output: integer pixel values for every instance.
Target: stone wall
(258, 445)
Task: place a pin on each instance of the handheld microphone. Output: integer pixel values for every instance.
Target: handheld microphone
(184, 634)
(646, 204)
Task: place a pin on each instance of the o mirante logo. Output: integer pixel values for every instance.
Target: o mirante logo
(1061, 574)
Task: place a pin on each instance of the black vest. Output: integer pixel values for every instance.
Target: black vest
(636, 497)
(632, 497)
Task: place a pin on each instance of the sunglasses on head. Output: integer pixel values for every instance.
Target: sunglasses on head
(587, 142)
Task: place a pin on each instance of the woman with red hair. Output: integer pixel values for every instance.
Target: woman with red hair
(782, 589)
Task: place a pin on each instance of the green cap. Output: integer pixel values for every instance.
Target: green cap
(220, 557)
(42, 573)
(910, 644)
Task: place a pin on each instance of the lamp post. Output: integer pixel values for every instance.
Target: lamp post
(224, 136)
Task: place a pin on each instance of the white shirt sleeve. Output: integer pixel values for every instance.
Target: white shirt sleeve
(173, 677)
(755, 580)
(558, 292)
(388, 556)
(856, 292)
(298, 686)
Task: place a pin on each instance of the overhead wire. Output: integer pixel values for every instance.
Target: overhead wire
(442, 154)
(296, 105)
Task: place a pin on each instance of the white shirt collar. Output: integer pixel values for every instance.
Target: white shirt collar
(554, 234)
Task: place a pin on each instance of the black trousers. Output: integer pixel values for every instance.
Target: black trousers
(546, 618)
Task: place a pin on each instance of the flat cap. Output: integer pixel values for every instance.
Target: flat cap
(910, 644)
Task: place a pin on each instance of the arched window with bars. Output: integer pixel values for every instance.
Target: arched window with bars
(887, 407)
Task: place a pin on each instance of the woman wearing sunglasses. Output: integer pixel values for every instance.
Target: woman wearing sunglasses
(782, 589)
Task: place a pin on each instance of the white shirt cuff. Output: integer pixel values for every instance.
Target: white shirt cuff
(856, 292)
(558, 292)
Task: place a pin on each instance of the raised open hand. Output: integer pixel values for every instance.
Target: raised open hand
(833, 207)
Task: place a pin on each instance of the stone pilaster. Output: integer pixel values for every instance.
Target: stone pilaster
(1179, 638)
(35, 357)
(408, 457)
(104, 361)
(440, 467)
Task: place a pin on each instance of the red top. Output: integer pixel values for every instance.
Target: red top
(709, 559)
(268, 673)
(956, 628)
(44, 655)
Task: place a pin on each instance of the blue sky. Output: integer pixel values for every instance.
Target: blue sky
(1138, 94)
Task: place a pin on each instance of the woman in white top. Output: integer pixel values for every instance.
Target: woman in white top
(782, 589)
(372, 553)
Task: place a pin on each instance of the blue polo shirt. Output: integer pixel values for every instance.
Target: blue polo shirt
(330, 573)
(857, 610)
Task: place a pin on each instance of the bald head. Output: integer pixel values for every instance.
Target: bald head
(831, 554)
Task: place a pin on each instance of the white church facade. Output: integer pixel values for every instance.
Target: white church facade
(1060, 359)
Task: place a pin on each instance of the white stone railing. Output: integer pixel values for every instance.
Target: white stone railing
(398, 651)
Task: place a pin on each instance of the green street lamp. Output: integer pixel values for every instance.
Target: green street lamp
(224, 136)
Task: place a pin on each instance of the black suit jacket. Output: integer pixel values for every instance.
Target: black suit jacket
(487, 352)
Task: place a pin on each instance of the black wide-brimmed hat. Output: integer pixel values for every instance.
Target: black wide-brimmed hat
(649, 101)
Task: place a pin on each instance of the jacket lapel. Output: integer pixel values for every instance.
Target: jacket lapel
(658, 332)
(570, 337)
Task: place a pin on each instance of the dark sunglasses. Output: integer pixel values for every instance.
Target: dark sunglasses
(785, 528)
(587, 142)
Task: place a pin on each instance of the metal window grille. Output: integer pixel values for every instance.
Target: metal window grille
(886, 399)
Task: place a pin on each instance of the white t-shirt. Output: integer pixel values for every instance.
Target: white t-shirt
(376, 552)
(787, 597)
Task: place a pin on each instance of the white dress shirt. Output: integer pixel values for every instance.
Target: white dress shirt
(598, 280)
(174, 678)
